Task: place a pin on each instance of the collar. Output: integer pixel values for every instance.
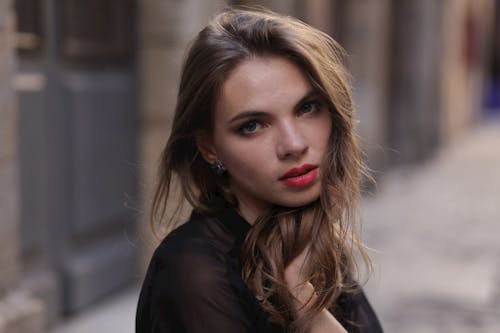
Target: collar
(231, 220)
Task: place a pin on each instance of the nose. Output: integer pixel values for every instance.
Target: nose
(291, 142)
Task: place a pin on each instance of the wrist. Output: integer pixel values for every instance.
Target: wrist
(304, 294)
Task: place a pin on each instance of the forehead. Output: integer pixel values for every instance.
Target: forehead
(264, 84)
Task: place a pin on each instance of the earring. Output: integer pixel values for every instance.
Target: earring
(218, 167)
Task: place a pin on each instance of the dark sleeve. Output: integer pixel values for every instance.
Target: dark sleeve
(194, 292)
(355, 313)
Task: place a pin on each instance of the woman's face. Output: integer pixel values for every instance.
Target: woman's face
(271, 130)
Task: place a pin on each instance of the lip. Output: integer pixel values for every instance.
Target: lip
(300, 176)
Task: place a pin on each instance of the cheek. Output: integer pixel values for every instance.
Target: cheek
(327, 132)
(235, 155)
(320, 132)
(245, 159)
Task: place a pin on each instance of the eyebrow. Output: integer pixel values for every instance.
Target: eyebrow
(257, 113)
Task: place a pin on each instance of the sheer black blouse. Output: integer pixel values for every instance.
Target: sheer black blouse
(193, 284)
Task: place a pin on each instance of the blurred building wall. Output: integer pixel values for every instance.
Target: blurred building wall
(467, 30)
(19, 312)
(166, 27)
(363, 29)
(413, 93)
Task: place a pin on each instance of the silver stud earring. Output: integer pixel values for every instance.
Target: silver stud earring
(218, 167)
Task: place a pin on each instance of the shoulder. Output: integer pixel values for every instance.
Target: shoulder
(191, 272)
(197, 237)
(355, 312)
(189, 275)
(192, 256)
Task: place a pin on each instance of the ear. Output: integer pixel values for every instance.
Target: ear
(205, 146)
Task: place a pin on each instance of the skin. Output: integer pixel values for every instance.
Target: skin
(304, 293)
(268, 120)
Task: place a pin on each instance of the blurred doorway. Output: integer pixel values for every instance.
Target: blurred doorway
(78, 134)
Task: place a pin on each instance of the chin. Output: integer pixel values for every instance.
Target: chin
(301, 198)
(298, 202)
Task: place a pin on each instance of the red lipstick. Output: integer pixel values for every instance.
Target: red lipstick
(300, 176)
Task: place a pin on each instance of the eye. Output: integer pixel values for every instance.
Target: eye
(249, 127)
(310, 107)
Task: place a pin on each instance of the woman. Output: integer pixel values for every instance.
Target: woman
(264, 150)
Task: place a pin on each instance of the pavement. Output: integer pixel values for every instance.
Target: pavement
(434, 231)
(115, 315)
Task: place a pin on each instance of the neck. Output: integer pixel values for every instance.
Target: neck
(250, 212)
(249, 215)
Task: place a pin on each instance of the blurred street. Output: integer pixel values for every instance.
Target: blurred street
(435, 228)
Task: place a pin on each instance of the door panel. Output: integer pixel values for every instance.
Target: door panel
(78, 138)
(103, 155)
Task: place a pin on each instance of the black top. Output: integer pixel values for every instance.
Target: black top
(193, 284)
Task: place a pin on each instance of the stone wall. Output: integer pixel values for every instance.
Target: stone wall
(19, 313)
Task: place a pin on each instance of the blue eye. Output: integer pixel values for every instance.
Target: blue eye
(309, 107)
(249, 127)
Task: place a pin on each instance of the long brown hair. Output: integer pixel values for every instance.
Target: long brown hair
(326, 226)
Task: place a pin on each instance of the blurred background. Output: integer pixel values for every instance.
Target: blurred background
(87, 92)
